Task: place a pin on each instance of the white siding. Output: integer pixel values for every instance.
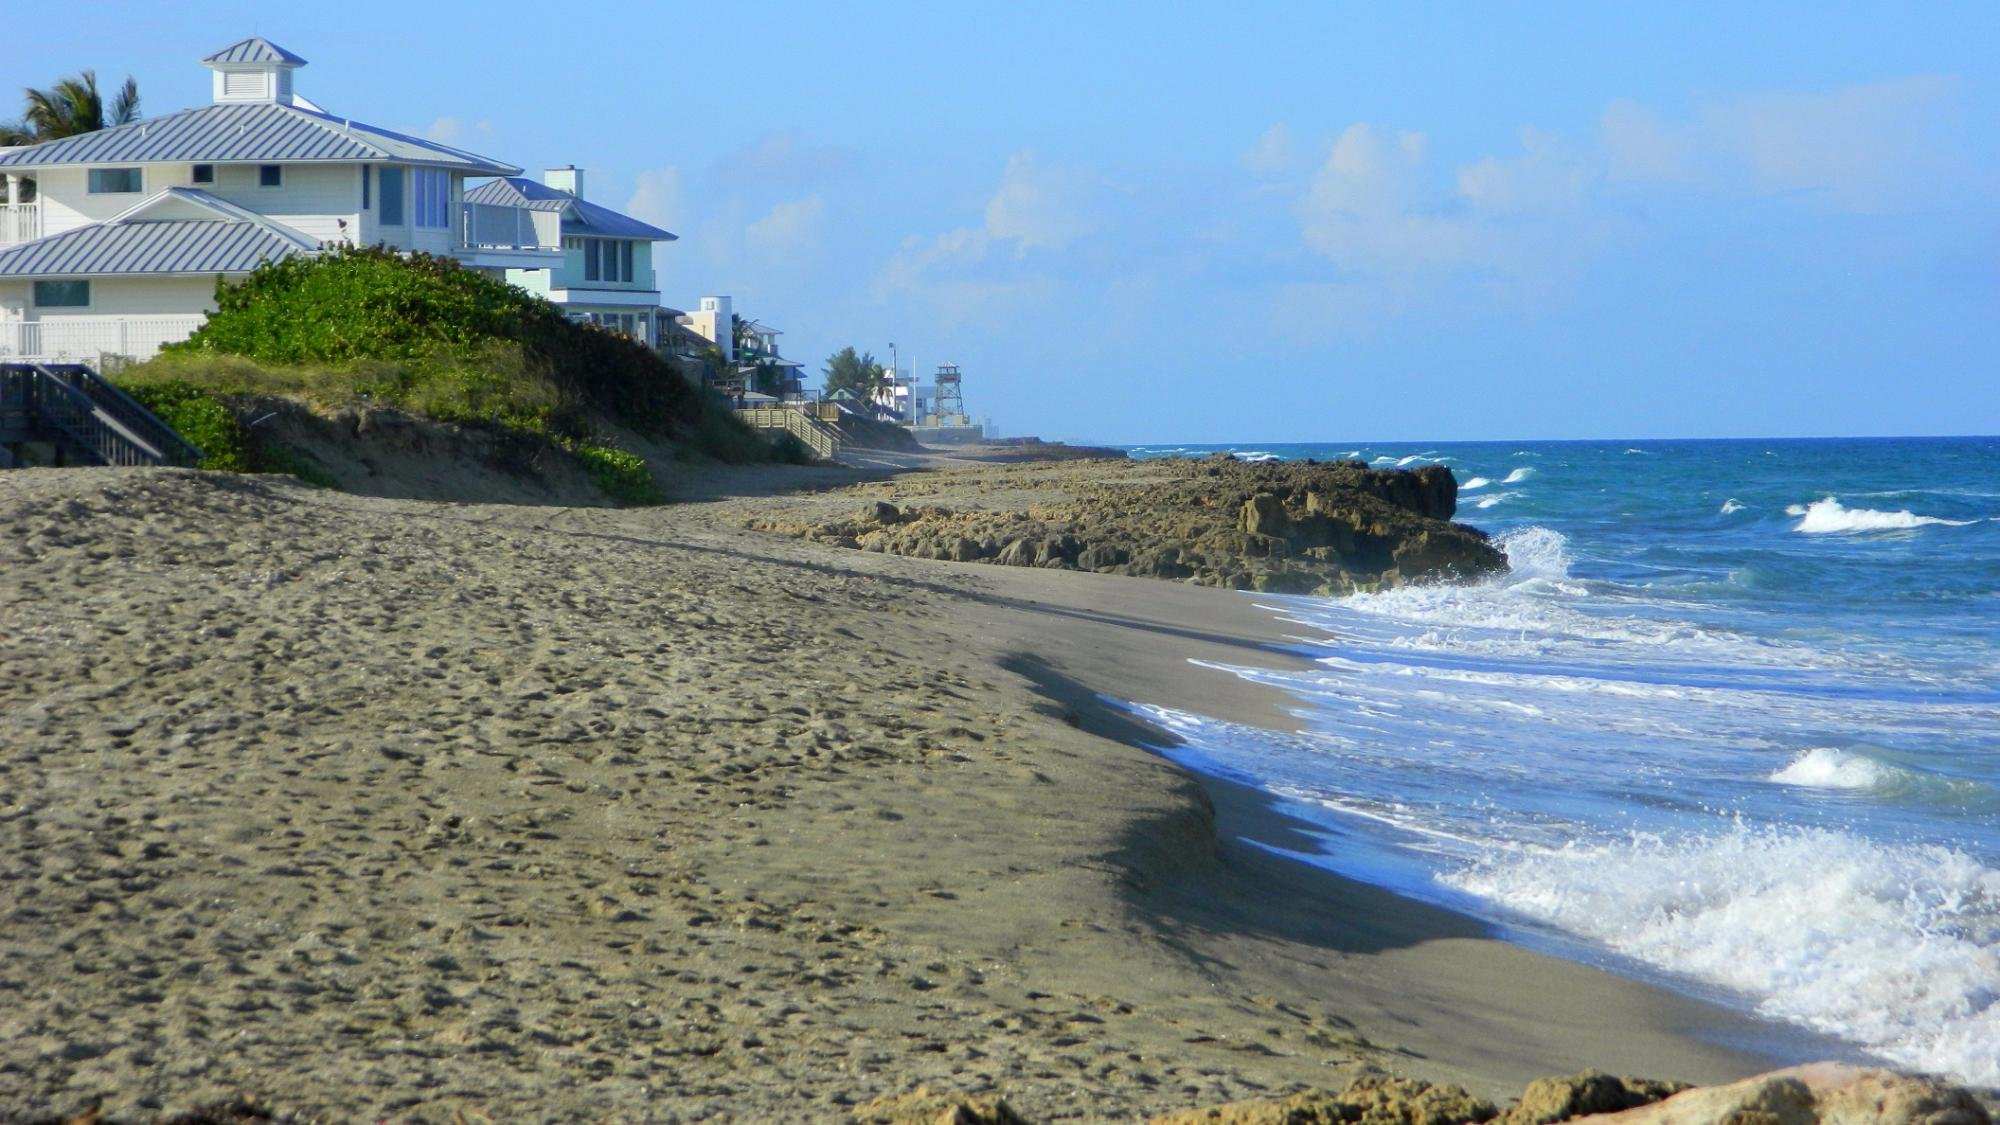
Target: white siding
(313, 199)
(67, 203)
(149, 296)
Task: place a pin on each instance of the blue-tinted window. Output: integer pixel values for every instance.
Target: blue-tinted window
(203, 174)
(625, 266)
(392, 195)
(364, 187)
(270, 175)
(590, 271)
(62, 294)
(115, 181)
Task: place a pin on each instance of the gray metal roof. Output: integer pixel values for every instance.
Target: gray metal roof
(255, 49)
(580, 216)
(248, 133)
(234, 240)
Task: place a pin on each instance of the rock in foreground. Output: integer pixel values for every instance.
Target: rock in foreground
(1286, 527)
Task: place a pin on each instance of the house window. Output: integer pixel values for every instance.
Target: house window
(270, 175)
(590, 271)
(392, 195)
(625, 253)
(432, 190)
(203, 174)
(115, 181)
(364, 187)
(62, 294)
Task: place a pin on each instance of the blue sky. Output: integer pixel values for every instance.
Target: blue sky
(1148, 222)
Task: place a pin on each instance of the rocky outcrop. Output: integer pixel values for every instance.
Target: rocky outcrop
(1284, 527)
(1817, 1094)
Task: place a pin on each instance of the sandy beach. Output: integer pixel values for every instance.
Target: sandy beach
(380, 808)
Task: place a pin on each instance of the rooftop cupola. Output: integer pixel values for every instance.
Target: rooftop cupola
(253, 70)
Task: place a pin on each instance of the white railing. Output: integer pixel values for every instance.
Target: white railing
(20, 222)
(494, 226)
(90, 338)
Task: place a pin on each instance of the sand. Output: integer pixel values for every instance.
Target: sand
(383, 808)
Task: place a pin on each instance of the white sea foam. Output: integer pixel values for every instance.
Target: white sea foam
(1896, 947)
(1385, 459)
(1519, 475)
(1826, 767)
(1831, 517)
(1731, 505)
(1412, 458)
(1475, 482)
(1490, 501)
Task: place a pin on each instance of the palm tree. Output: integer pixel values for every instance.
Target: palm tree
(69, 108)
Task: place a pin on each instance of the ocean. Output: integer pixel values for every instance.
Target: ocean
(1731, 724)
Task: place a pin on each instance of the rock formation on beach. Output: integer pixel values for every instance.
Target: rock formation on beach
(1285, 527)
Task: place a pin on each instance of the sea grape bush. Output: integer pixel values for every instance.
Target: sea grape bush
(428, 318)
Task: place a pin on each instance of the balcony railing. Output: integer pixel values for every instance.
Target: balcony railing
(91, 338)
(493, 226)
(20, 222)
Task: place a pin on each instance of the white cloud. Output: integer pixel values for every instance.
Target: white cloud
(658, 198)
(974, 274)
(451, 131)
(789, 228)
(1272, 154)
(1369, 210)
(1544, 179)
(1039, 206)
(1856, 148)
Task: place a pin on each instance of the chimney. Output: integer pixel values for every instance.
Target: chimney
(568, 178)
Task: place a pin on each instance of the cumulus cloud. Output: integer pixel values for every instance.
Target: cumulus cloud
(452, 131)
(1545, 178)
(1272, 154)
(1038, 205)
(1370, 210)
(986, 272)
(658, 198)
(791, 227)
(1855, 148)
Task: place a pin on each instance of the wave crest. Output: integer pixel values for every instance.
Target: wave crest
(1831, 517)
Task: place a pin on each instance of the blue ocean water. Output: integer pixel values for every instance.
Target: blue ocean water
(1733, 719)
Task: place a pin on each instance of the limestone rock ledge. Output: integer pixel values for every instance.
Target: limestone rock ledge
(1300, 527)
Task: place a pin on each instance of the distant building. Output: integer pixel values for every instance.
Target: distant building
(606, 275)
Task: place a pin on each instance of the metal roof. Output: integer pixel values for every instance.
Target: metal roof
(255, 49)
(248, 133)
(233, 241)
(580, 216)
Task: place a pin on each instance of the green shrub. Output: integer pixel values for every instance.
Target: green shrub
(622, 476)
(197, 416)
(452, 339)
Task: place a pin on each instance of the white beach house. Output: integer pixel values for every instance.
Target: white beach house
(111, 242)
(606, 274)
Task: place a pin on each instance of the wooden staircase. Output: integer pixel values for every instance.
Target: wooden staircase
(818, 437)
(86, 419)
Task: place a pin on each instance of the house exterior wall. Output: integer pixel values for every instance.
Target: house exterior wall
(121, 296)
(313, 199)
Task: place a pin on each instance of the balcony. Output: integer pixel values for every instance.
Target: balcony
(90, 339)
(20, 222)
(493, 236)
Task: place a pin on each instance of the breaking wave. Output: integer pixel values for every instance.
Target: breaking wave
(1830, 517)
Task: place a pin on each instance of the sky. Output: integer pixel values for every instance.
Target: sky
(1155, 222)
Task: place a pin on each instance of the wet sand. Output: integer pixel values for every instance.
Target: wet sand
(386, 808)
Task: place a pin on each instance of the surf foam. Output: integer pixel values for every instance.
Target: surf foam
(1831, 517)
(1897, 948)
(1825, 767)
(1519, 475)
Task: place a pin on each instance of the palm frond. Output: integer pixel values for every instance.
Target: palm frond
(125, 109)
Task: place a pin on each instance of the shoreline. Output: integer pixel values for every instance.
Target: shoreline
(1451, 971)
(395, 808)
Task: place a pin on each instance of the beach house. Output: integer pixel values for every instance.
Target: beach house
(111, 242)
(606, 275)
